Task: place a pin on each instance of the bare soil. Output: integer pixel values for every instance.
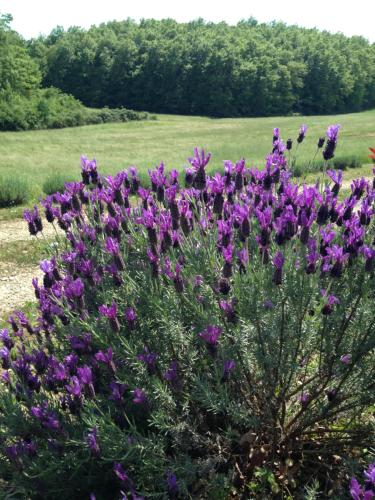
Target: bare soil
(15, 280)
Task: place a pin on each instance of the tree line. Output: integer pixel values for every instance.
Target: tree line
(202, 68)
(25, 104)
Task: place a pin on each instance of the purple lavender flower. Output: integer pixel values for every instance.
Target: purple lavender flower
(5, 357)
(89, 171)
(47, 418)
(229, 365)
(189, 177)
(336, 177)
(5, 338)
(81, 344)
(302, 133)
(117, 391)
(140, 397)
(92, 442)
(171, 374)
(278, 262)
(355, 489)
(338, 257)
(111, 313)
(199, 162)
(106, 357)
(200, 159)
(74, 289)
(345, 359)
(112, 246)
(268, 304)
(211, 334)
(85, 375)
(149, 359)
(71, 361)
(198, 281)
(5, 377)
(228, 308)
(369, 475)
(332, 133)
(172, 485)
(331, 394)
(227, 253)
(40, 361)
(120, 472)
(131, 317)
(276, 134)
(304, 399)
(33, 220)
(358, 493)
(330, 301)
(74, 388)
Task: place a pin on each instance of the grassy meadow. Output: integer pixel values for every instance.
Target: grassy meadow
(36, 155)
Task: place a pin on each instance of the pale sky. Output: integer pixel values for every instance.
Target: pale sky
(32, 17)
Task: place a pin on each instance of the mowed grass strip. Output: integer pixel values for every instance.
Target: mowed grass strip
(36, 155)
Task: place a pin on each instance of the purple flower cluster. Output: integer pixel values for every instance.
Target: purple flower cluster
(125, 242)
(367, 491)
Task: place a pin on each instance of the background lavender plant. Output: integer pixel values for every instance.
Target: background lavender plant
(189, 335)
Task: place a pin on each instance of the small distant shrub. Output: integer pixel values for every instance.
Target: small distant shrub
(13, 191)
(355, 162)
(342, 163)
(298, 171)
(55, 183)
(107, 115)
(339, 163)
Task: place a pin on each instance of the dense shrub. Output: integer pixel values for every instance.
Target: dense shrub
(50, 108)
(204, 341)
(55, 183)
(13, 191)
(203, 68)
(106, 115)
(342, 163)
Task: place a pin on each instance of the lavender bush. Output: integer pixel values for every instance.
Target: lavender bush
(190, 337)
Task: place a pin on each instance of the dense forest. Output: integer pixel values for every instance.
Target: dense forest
(24, 104)
(194, 68)
(250, 69)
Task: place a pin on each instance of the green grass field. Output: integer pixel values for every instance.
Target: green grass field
(36, 155)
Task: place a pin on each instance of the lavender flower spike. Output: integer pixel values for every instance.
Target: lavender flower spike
(302, 133)
(332, 133)
(278, 262)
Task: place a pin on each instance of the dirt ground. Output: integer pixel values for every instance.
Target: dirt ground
(15, 280)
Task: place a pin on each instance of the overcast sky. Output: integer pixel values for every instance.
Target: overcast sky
(32, 17)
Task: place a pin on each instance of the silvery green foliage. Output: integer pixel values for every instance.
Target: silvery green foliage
(188, 336)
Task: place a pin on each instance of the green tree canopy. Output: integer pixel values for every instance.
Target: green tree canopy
(250, 69)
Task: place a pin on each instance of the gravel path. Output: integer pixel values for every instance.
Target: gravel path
(15, 280)
(16, 287)
(16, 230)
